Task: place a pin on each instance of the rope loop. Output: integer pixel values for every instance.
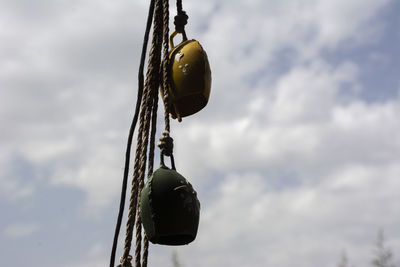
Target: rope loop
(166, 144)
(180, 21)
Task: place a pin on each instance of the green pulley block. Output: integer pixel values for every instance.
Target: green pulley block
(169, 207)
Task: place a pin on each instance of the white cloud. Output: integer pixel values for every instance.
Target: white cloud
(12, 186)
(55, 71)
(99, 176)
(290, 161)
(61, 118)
(90, 263)
(253, 225)
(342, 157)
(306, 123)
(340, 153)
(13, 189)
(21, 229)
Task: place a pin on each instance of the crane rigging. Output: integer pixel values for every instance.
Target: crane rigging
(166, 206)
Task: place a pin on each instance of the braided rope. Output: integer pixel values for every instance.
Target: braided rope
(131, 132)
(153, 90)
(165, 85)
(150, 168)
(151, 86)
(145, 251)
(157, 75)
(166, 142)
(150, 116)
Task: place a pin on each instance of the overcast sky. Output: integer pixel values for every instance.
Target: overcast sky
(295, 159)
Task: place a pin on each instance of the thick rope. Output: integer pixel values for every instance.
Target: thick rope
(179, 6)
(150, 89)
(145, 251)
(165, 84)
(181, 18)
(166, 142)
(151, 116)
(131, 132)
(150, 168)
(156, 76)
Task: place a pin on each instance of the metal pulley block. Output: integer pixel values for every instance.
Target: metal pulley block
(189, 77)
(169, 207)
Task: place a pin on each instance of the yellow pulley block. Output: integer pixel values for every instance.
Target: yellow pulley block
(189, 77)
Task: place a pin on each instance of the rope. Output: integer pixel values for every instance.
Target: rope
(165, 64)
(145, 251)
(150, 167)
(152, 117)
(166, 142)
(181, 18)
(147, 108)
(131, 132)
(179, 6)
(146, 113)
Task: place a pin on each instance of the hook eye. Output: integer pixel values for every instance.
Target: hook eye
(172, 160)
(171, 38)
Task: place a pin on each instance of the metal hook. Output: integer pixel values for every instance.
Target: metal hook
(171, 38)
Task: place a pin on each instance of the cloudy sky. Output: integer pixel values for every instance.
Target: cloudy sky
(295, 159)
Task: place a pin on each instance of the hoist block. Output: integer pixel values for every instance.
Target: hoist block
(169, 208)
(189, 78)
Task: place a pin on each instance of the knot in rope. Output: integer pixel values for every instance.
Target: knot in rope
(166, 144)
(125, 262)
(180, 21)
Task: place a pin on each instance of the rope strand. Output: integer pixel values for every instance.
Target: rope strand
(179, 6)
(165, 85)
